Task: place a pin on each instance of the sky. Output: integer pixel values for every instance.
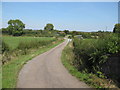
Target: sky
(60, 0)
(79, 16)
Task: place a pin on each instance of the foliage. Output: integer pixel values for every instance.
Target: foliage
(89, 35)
(34, 44)
(15, 27)
(93, 80)
(92, 53)
(10, 70)
(66, 32)
(22, 45)
(49, 27)
(117, 28)
(5, 47)
(5, 31)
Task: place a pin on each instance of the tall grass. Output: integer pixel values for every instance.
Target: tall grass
(15, 46)
(92, 53)
(68, 57)
(13, 42)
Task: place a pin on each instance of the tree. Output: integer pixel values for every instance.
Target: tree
(66, 32)
(74, 33)
(4, 31)
(116, 28)
(49, 27)
(15, 27)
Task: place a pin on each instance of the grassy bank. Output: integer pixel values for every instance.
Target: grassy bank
(11, 69)
(14, 46)
(91, 79)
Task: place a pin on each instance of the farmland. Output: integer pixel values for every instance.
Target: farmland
(16, 44)
(13, 42)
(18, 50)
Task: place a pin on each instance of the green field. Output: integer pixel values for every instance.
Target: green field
(13, 42)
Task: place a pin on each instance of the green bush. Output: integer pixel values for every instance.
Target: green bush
(5, 47)
(90, 54)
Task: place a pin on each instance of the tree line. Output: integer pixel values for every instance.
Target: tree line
(17, 28)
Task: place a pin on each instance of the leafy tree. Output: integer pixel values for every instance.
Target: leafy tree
(74, 33)
(49, 27)
(15, 27)
(66, 31)
(116, 28)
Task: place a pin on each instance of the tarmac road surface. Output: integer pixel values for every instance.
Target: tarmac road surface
(47, 71)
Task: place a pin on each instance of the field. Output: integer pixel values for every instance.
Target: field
(16, 46)
(13, 42)
(18, 55)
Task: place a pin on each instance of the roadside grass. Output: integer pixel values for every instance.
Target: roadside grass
(11, 69)
(89, 78)
(15, 46)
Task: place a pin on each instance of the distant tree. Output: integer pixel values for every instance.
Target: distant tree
(100, 31)
(15, 27)
(5, 31)
(49, 27)
(116, 28)
(74, 33)
(66, 31)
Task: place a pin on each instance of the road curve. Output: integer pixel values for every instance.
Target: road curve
(47, 71)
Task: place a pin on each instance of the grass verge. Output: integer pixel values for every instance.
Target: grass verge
(91, 79)
(11, 69)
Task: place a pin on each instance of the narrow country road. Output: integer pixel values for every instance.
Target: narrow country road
(47, 71)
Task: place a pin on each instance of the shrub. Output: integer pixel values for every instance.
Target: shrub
(5, 47)
(90, 54)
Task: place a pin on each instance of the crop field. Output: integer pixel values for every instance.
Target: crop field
(13, 42)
